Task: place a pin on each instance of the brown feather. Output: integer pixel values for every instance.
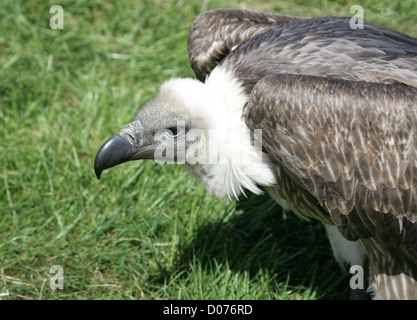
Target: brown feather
(214, 33)
(374, 184)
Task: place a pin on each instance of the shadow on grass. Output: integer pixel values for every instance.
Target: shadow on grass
(259, 238)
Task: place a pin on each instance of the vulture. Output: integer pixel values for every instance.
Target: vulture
(320, 115)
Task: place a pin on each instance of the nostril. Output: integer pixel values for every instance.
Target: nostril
(131, 138)
(132, 133)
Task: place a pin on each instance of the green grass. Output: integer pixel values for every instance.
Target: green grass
(144, 231)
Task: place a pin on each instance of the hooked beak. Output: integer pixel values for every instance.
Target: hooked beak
(122, 147)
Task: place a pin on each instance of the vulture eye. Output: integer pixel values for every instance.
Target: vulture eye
(174, 132)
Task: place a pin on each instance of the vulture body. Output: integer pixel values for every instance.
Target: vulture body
(335, 112)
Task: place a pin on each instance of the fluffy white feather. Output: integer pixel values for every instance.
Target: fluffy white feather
(216, 108)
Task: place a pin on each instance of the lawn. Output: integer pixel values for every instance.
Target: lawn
(144, 231)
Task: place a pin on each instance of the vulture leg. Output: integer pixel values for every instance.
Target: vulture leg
(347, 254)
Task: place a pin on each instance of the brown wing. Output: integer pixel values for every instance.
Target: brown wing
(327, 46)
(216, 32)
(351, 146)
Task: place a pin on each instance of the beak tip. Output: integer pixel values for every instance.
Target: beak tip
(97, 167)
(97, 171)
(114, 151)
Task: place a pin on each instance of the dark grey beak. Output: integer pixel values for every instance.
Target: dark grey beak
(114, 151)
(122, 147)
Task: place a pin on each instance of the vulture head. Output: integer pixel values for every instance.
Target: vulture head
(197, 124)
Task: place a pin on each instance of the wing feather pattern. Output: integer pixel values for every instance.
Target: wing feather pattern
(327, 46)
(217, 32)
(349, 145)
